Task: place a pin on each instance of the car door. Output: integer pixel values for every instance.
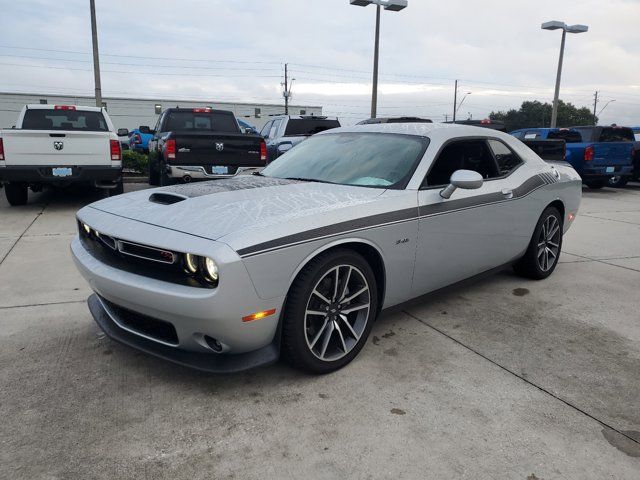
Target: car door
(474, 230)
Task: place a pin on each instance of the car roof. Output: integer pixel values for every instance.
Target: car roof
(422, 130)
(51, 106)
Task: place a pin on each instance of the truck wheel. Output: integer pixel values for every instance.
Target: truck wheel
(542, 255)
(154, 179)
(618, 181)
(595, 184)
(17, 193)
(165, 180)
(329, 312)
(119, 190)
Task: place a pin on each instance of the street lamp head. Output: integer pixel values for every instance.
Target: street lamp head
(553, 25)
(360, 3)
(577, 28)
(395, 5)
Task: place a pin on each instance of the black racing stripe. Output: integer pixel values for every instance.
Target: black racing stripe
(337, 228)
(241, 182)
(527, 187)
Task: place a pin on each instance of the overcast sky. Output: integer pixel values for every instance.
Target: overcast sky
(236, 49)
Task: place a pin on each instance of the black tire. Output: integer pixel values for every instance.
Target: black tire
(119, 190)
(295, 333)
(596, 184)
(154, 175)
(165, 179)
(529, 265)
(618, 181)
(17, 193)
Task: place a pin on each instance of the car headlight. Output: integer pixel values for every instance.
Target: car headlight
(210, 270)
(190, 263)
(86, 228)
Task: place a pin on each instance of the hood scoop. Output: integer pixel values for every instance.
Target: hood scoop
(164, 198)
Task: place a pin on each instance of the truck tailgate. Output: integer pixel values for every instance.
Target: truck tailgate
(213, 149)
(56, 148)
(612, 153)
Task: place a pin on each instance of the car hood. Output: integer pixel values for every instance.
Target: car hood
(218, 208)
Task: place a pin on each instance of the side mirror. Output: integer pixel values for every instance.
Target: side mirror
(285, 147)
(123, 132)
(467, 179)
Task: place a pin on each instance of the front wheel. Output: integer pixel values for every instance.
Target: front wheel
(542, 255)
(329, 312)
(17, 193)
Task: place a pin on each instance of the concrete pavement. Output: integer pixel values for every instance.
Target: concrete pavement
(507, 378)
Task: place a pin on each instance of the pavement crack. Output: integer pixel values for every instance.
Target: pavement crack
(506, 369)
(610, 219)
(604, 260)
(23, 233)
(42, 304)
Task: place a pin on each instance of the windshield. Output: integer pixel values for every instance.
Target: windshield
(569, 136)
(383, 160)
(308, 126)
(45, 119)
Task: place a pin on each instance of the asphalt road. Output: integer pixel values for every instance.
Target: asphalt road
(504, 379)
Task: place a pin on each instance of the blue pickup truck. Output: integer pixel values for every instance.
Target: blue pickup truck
(139, 139)
(598, 154)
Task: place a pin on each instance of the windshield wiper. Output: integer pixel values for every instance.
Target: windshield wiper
(302, 179)
(258, 174)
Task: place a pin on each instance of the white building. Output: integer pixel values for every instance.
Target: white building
(132, 112)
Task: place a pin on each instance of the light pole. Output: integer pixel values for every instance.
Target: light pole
(556, 25)
(605, 106)
(462, 101)
(392, 6)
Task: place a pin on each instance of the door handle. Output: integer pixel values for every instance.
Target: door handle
(507, 193)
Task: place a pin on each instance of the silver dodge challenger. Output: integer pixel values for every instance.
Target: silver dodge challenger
(300, 258)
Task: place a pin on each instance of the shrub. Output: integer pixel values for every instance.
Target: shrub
(135, 162)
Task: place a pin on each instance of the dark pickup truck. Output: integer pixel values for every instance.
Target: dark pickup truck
(201, 143)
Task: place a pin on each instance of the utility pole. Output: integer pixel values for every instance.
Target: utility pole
(376, 51)
(455, 101)
(287, 88)
(96, 60)
(595, 106)
(446, 118)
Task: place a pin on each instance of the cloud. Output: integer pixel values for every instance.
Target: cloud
(235, 49)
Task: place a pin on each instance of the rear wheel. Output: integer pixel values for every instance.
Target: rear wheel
(154, 177)
(542, 255)
(329, 312)
(618, 181)
(118, 190)
(16, 193)
(595, 184)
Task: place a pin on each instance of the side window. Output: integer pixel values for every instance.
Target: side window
(274, 128)
(462, 155)
(506, 159)
(519, 135)
(531, 135)
(265, 130)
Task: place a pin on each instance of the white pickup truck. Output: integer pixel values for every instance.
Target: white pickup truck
(58, 145)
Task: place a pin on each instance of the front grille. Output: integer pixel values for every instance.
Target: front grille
(143, 324)
(139, 259)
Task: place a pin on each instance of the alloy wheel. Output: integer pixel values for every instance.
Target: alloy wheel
(337, 312)
(549, 243)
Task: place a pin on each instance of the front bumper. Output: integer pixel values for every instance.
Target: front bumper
(206, 362)
(43, 174)
(193, 312)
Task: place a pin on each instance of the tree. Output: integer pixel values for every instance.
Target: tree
(537, 114)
